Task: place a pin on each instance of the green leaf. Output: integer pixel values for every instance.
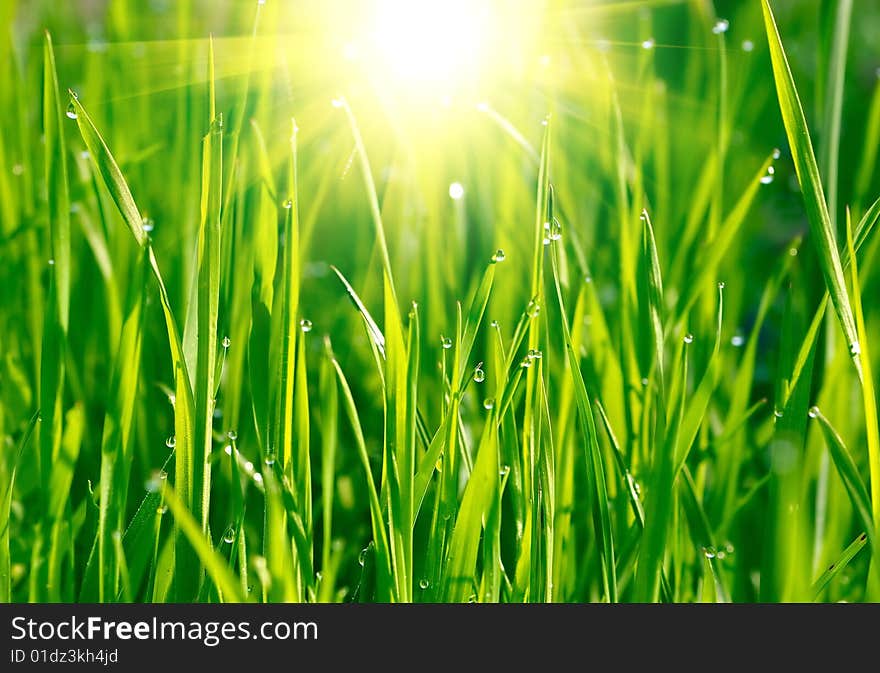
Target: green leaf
(821, 226)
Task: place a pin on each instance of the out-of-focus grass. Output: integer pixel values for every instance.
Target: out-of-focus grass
(552, 328)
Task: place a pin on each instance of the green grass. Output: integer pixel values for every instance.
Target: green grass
(253, 347)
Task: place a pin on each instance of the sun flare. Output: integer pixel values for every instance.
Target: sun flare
(431, 42)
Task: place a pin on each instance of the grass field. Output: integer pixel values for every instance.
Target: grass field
(554, 301)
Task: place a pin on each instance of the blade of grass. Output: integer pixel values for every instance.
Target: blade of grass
(821, 225)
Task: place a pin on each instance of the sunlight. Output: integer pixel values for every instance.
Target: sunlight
(432, 42)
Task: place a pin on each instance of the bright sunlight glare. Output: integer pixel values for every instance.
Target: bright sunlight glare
(432, 42)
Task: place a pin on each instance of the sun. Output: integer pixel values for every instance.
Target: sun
(433, 43)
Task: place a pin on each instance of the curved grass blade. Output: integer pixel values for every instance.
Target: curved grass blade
(821, 225)
(216, 566)
(380, 536)
(837, 567)
(872, 423)
(848, 471)
(108, 169)
(104, 163)
(600, 507)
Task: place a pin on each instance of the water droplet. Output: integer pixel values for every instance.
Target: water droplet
(534, 354)
(728, 548)
(149, 225)
(777, 413)
(793, 252)
(720, 554)
(445, 342)
(688, 338)
(305, 325)
(588, 279)
(721, 26)
(709, 552)
(362, 557)
(17, 169)
(721, 285)
(648, 44)
(161, 509)
(545, 121)
(154, 483)
(261, 2)
(51, 262)
(738, 340)
(232, 434)
(504, 471)
(227, 342)
(227, 449)
(644, 381)
(258, 478)
(855, 348)
(337, 103)
(813, 412)
(499, 255)
(71, 110)
(776, 153)
(424, 583)
(269, 459)
(495, 324)
(229, 535)
(482, 106)
(249, 467)
(479, 374)
(748, 45)
(767, 179)
(171, 442)
(456, 191)
(555, 230)
(488, 403)
(533, 309)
